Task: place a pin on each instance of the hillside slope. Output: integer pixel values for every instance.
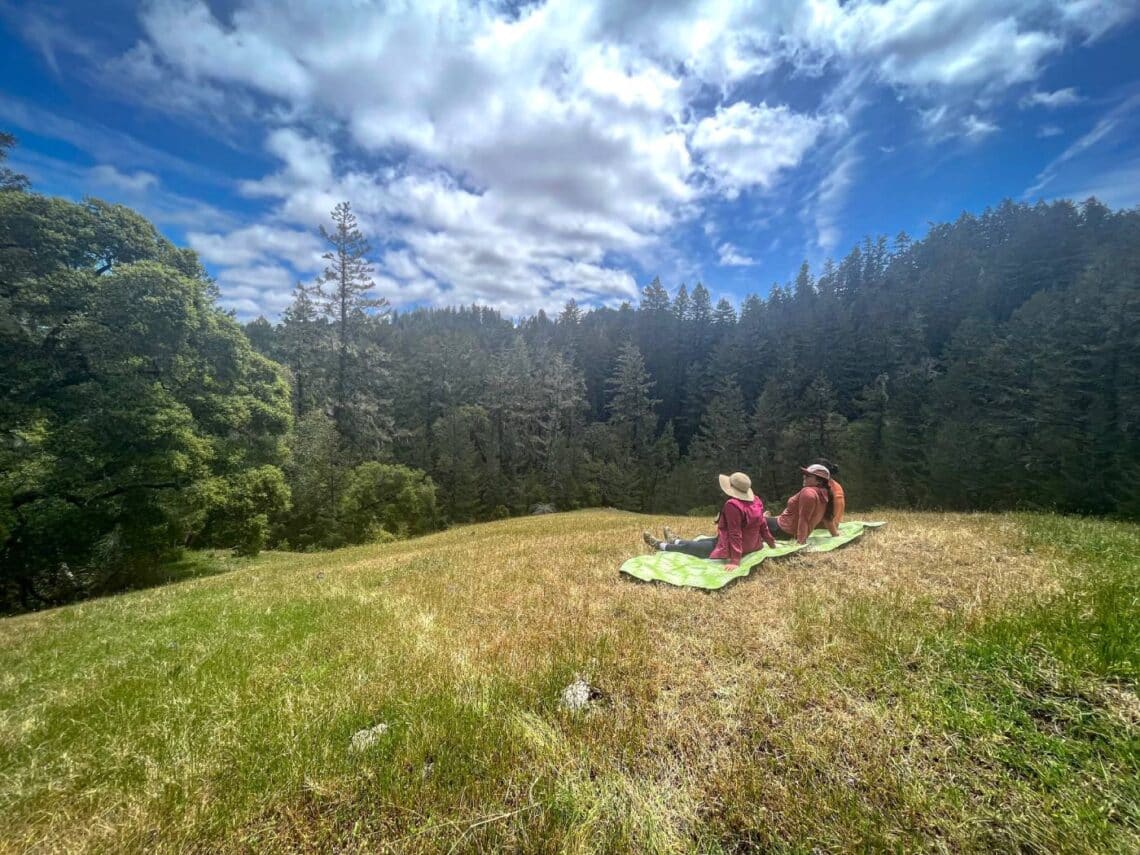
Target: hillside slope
(950, 680)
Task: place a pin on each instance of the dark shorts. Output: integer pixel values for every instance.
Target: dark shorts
(774, 527)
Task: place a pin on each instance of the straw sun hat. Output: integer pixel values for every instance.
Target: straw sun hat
(738, 485)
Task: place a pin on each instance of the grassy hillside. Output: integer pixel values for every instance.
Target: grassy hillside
(949, 682)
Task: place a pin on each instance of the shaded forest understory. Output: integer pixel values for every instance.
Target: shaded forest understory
(993, 364)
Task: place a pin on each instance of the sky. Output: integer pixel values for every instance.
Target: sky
(520, 155)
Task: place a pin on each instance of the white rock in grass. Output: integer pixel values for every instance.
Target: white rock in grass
(577, 695)
(366, 738)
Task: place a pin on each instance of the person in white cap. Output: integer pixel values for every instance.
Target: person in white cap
(808, 508)
(740, 526)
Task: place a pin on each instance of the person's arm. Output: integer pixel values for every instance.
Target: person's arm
(805, 510)
(734, 533)
(765, 532)
(832, 528)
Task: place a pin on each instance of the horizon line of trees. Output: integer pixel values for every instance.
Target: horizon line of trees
(994, 364)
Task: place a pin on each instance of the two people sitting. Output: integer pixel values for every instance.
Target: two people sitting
(742, 524)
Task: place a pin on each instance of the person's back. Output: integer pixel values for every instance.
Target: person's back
(838, 500)
(751, 529)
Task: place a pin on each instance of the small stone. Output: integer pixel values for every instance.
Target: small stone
(579, 694)
(320, 575)
(368, 737)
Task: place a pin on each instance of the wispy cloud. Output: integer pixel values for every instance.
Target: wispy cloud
(1052, 100)
(832, 195)
(1104, 127)
(731, 256)
(139, 190)
(976, 128)
(102, 144)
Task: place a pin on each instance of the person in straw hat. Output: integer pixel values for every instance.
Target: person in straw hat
(807, 509)
(740, 526)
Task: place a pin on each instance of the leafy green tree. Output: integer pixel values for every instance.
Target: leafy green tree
(383, 499)
(10, 180)
(124, 390)
(316, 476)
(240, 507)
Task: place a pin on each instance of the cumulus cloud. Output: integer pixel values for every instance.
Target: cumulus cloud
(748, 145)
(521, 154)
(259, 243)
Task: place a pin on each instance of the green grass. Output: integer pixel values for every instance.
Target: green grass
(956, 683)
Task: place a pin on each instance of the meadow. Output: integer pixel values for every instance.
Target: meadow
(946, 683)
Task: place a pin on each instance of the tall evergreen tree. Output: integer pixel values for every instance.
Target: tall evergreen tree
(300, 348)
(345, 293)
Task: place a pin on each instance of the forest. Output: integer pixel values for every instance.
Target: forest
(992, 364)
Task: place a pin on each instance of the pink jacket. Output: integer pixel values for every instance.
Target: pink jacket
(740, 528)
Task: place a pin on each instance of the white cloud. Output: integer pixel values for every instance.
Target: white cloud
(832, 195)
(191, 39)
(1052, 100)
(1094, 18)
(102, 144)
(976, 128)
(260, 243)
(1103, 129)
(1046, 131)
(749, 145)
(731, 256)
(1116, 186)
(520, 155)
(920, 43)
(130, 183)
(139, 190)
(942, 122)
(256, 289)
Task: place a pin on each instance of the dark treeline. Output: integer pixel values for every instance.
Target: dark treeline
(994, 364)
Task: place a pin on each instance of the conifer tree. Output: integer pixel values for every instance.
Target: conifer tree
(301, 349)
(631, 408)
(345, 294)
(724, 316)
(721, 444)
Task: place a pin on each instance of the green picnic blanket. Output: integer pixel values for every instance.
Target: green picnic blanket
(676, 568)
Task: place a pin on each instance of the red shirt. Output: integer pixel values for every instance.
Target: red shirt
(740, 528)
(804, 512)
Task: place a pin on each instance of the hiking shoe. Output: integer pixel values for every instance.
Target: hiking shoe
(669, 533)
(650, 540)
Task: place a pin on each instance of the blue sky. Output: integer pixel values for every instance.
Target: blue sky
(522, 154)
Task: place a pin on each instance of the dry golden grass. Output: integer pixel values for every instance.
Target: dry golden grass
(215, 714)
